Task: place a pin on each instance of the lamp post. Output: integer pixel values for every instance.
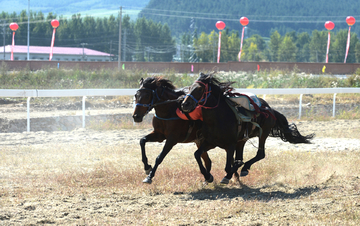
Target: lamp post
(243, 21)
(13, 27)
(329, 26)
(220, 26)
(350, 21)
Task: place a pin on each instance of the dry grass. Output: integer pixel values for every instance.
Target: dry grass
(109, 177)
(100, 183)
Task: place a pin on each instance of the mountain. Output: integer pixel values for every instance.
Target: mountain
(265, 16)
(96, 8)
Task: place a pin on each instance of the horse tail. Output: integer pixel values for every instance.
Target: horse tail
(288, 133)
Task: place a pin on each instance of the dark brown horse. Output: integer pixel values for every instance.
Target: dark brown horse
(222, 129)
(160, 94)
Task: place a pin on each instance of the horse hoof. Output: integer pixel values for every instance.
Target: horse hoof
(244, 173)
(225, 181)
(147, 180)
(210, 180)
(147, 171)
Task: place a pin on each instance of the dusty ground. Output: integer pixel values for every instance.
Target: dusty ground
(87, 177)
(37, 186)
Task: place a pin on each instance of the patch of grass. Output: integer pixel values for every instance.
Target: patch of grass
(116, 125)
(52, 78)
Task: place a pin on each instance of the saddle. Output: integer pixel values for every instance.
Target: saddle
(246, 107)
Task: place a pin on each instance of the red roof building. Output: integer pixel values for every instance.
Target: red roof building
(59, 53)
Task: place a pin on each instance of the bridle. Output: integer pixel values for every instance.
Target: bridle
(204, 97)
(154, 100)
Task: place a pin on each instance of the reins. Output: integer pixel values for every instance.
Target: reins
(155, 98)
(204, 97)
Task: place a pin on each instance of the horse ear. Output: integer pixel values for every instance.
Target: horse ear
(141, 81)
(202, 75)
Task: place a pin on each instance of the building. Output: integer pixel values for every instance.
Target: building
(59, 53)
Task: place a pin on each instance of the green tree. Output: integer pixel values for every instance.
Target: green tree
(203, 48)
(340, 47)
(357, 52)
(287, 50)
(253, 49)
(317, 46)
(302, 43)
(230, 46)
(274, 45)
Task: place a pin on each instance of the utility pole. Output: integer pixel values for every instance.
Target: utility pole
(110, 50)
(119, 57)
(124, 50)
(193, 57)
(4, 32)
(83, 44)
(28, 32)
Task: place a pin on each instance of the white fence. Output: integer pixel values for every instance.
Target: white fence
(129, 92)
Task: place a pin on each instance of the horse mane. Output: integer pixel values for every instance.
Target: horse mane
(158, 81)
(212, 80)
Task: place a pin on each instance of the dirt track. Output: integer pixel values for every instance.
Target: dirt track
(43, 178)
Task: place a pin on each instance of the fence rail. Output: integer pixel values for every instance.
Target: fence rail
(129, 92)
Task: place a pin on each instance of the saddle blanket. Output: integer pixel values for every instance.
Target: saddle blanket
(244, 101)
(194, 115)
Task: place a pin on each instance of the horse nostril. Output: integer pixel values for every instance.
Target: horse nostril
(185, 106)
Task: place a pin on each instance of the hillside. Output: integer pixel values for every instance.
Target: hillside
(265, 16)
(103, 8)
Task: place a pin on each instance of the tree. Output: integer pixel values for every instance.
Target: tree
(287, 50)
(317, 46)
(340, 47)
(357, 52)
(302, 43)
(203, 48)
(274, 45)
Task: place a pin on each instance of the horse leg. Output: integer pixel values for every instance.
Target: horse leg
(238, 158)
(152, 137)
(228, 167)
(259, 155)
(166, 149)
(207, 161)
(198, 153)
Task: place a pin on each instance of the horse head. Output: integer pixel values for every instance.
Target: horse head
(199, 91)
(144, 98)
(149, 95)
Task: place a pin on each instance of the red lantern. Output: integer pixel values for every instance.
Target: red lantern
(55, 23)
(329, 25)
(244, 21)
(220, 25)
(350, 20)
(14, 26)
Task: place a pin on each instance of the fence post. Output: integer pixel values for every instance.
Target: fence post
(334, 104)
(28, 113)
(300, 103)
(83, 110)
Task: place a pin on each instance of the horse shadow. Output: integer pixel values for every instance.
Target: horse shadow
(265, 193)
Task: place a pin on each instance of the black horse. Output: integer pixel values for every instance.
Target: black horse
(160, 94)
(222, 128)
